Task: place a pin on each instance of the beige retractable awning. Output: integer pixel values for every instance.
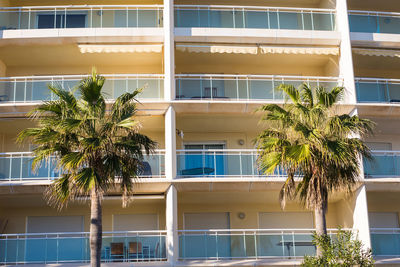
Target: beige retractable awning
(229, 49)
(376, 52)
(120, 48)
(300, 50)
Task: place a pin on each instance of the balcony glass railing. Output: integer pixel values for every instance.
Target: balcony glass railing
(374, 22)
(371, 90)
(83, 16)
(246, 244)
(385, 164)
(45, 248)
(18, 167)
(35, 88)
(218, 163)
(245, 17)
(241, 87)
(385, 241)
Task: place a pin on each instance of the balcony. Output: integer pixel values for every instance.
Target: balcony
(385, 242)
(46, 248)
(385, 164)
(371, 90)
(210, 87)
(375, 28)
(254, 24)
(219, 163)
(35, 88)
(68, 21)
(232, 244)
(18, 167)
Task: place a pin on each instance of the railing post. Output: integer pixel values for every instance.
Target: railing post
(171, 215)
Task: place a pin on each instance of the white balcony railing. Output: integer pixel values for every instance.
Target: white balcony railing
(35, 88)
(45, 248)
(377, 90)
(374, 22)
(242, 87)
(18, 167)
(254, 17)
(219, 163)
(80, 16)
(231, 244)
(385, 241)
(385, 164)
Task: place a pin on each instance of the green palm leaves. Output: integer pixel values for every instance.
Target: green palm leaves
(305, 138)
(96, 149)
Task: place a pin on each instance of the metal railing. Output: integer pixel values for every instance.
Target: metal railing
(35, 88)
(18, 167)
(385, 241)
(81, 16)
(246, 243)
(374, 22)
(385, 164)
(219, 163)
(376, 90)
(242, 87)
(254, 17)
(44, 248)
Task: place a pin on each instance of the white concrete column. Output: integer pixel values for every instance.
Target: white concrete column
(346, 71)
(169, 51)
(170, 143)
(171, 215)
(360, 216)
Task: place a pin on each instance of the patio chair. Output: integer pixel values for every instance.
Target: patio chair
(135, 250)
(117, 251)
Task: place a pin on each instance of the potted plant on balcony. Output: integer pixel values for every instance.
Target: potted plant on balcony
(95, 150)
(308, 139)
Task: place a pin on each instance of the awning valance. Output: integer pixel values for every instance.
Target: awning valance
(254, 50)
(300, 50)
(376, 52)
(229, 49)
(120, 48)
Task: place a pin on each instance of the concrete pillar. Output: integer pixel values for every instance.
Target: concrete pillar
(346, 71)
(170, 143)
(169, 51)
(171, 215)
(360, 216)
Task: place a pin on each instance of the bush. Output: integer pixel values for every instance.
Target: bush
(343, 250)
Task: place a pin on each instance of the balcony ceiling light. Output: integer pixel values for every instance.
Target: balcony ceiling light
(376, 52)
(85, 48)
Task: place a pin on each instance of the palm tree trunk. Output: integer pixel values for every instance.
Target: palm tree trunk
(95, 229)
(320, 224)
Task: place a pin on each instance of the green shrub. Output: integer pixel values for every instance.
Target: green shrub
(342, 250)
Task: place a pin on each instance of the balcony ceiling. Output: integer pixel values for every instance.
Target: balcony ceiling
(67, 59)
(376, 66)
(384, 5)
(301, 65)
(279, 3)
(79, 2)
(218, 123)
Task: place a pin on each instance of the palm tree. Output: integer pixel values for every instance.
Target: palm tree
(307, 139)
(96, 151)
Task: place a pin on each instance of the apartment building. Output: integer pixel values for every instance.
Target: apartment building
(205, 66)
